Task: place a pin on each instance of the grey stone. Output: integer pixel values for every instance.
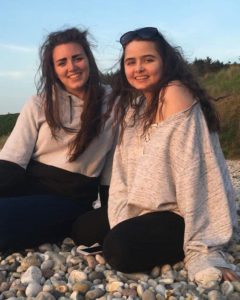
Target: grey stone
(148, 295)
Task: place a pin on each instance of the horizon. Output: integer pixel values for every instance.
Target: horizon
(206, 29)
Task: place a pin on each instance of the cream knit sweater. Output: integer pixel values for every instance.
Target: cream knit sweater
(177, 166)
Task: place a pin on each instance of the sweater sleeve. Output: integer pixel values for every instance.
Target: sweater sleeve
(118, 190)
(105, 177)
(106, 173)
(205, 198)
(20, 145)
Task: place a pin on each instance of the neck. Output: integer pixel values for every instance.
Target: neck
(80, 94)
(148, 97)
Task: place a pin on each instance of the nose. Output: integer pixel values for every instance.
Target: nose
(140, 67)
(71, 65)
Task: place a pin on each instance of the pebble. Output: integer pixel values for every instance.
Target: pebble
(215, 295)
(114, 286)
(160, 289)
(32, 260)
(32, 274)
(91, 261)
(227, 288)
(76, 296)
(128, 292)
(45, 296)
(236, 285)
(155, 272)
(100, 259)
(94, 294)
(76, 276)
(140, 290)
(52, 272)
(47, 264)
(234, 296)
(81, 287)
(2, 278)
(148, 295)
(33, 289)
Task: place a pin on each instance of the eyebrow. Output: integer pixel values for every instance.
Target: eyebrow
(74, 56)
(144, 56)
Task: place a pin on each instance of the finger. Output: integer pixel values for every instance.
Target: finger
(230, 275)
(91, 261)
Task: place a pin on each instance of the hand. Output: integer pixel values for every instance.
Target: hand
(229, 275)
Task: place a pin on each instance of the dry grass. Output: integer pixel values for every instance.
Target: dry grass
(227, 83)
(229, 113)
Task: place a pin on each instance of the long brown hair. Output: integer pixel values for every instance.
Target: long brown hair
(91, 117)
(174, 68)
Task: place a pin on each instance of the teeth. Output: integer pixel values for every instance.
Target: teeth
(74, 75)
(141, 77)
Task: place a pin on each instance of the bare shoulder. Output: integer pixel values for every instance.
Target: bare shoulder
(177, 97)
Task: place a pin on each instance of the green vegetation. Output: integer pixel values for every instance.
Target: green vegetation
(7, 123)
(3, 139)
(222, 81)
(225, 86)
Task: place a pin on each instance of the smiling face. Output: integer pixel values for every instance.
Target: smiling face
(143, 66)
(71, 66)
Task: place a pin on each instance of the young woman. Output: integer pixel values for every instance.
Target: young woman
(171, 196)
(51, 164)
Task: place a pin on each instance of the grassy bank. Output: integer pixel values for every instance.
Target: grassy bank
(226, 84)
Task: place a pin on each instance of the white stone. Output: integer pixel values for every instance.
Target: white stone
(76, 276)
(160, 289)
(227, 288)
(32, 274)
(33, 289)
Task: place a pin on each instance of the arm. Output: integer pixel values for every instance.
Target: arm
(175, 98)
(107, 172)
(103, 194)
(17, 151)
(205, 197)
(118, 190)
(22, 140)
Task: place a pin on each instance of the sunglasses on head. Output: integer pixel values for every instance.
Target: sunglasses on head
(144, 33)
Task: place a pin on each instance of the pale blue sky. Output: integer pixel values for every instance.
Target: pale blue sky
(202, 28)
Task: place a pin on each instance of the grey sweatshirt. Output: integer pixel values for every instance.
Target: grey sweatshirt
(31, 139)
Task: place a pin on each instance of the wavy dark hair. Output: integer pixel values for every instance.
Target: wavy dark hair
(174, 68)
(91, 117)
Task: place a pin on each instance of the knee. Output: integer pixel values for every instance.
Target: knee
(79, 231)
(117, 252)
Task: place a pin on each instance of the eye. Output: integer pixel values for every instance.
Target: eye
(129, 62)
(149, 59)
(78, 58)
(61, 64)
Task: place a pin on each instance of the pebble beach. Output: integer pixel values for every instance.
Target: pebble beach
(53, 271)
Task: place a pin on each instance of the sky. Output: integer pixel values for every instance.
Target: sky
(201, 28)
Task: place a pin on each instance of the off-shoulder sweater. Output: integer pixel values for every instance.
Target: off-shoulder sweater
(177, 166)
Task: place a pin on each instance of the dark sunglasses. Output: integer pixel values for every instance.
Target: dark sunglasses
(144, 33)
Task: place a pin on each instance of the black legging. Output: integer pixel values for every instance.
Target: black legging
(28, 221)
(137, 244)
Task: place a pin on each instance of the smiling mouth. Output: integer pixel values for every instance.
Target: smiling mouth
(141, 77)
(75, 76)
